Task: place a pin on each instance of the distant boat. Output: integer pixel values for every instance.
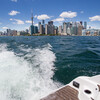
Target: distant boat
(81, 88)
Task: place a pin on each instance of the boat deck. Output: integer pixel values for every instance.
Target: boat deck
(65, 93)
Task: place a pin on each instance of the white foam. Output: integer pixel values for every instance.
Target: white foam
(26, 77)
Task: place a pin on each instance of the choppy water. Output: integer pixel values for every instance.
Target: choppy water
(32, 67)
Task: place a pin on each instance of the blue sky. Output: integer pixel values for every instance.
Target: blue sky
(15, 14)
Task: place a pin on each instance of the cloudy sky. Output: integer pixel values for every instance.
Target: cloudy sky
(16, 14)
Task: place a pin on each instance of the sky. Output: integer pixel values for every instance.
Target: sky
(16, 14)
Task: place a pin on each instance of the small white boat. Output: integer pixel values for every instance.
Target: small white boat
(81, 88)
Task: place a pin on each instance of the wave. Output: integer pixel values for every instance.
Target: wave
(26, 75)
(87, 53)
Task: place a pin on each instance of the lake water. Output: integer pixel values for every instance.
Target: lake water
(32, 67)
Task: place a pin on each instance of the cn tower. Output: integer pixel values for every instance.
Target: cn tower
(32, 17)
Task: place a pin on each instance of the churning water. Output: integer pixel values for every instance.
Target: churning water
(32, 67)
(27, 75)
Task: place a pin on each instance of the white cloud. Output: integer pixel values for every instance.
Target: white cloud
(95, 18)
(14, 22)
(59, 20)
(82, 12)
(35, 16)
(36, 24)
(0, 23)
(42, 17)
(14, 0)
(13, 12)
(93, 26)
(28, 21)
(68, 14)
(17, 21)
(11, 19)
(26, 27)
(4, 27)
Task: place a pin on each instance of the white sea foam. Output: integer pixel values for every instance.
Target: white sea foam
(26, 76)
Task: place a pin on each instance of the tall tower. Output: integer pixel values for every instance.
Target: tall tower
(32, 17)
(32, 26)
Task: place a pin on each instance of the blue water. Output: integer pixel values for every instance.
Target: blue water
(32, 67)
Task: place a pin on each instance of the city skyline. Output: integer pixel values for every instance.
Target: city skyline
(16, 14)
(49, 29)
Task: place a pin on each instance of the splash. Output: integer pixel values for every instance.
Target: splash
(27, 75)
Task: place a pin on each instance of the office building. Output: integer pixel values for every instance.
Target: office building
(31, 30)
(85, 25)
(60, 30)
(42, 29)
(27, 31)
(35, 29)
(74, 29)
(68, 31)
(49, 28)
(11, 32)
(65, 28)
(39, 26)
(80, 27)
(43, 23)
(56, 30)
(81, 22)
(22, 33)
(46, 29)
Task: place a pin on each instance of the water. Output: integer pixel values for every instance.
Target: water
(32, 67)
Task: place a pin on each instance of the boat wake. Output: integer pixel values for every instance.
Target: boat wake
(26, 75)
